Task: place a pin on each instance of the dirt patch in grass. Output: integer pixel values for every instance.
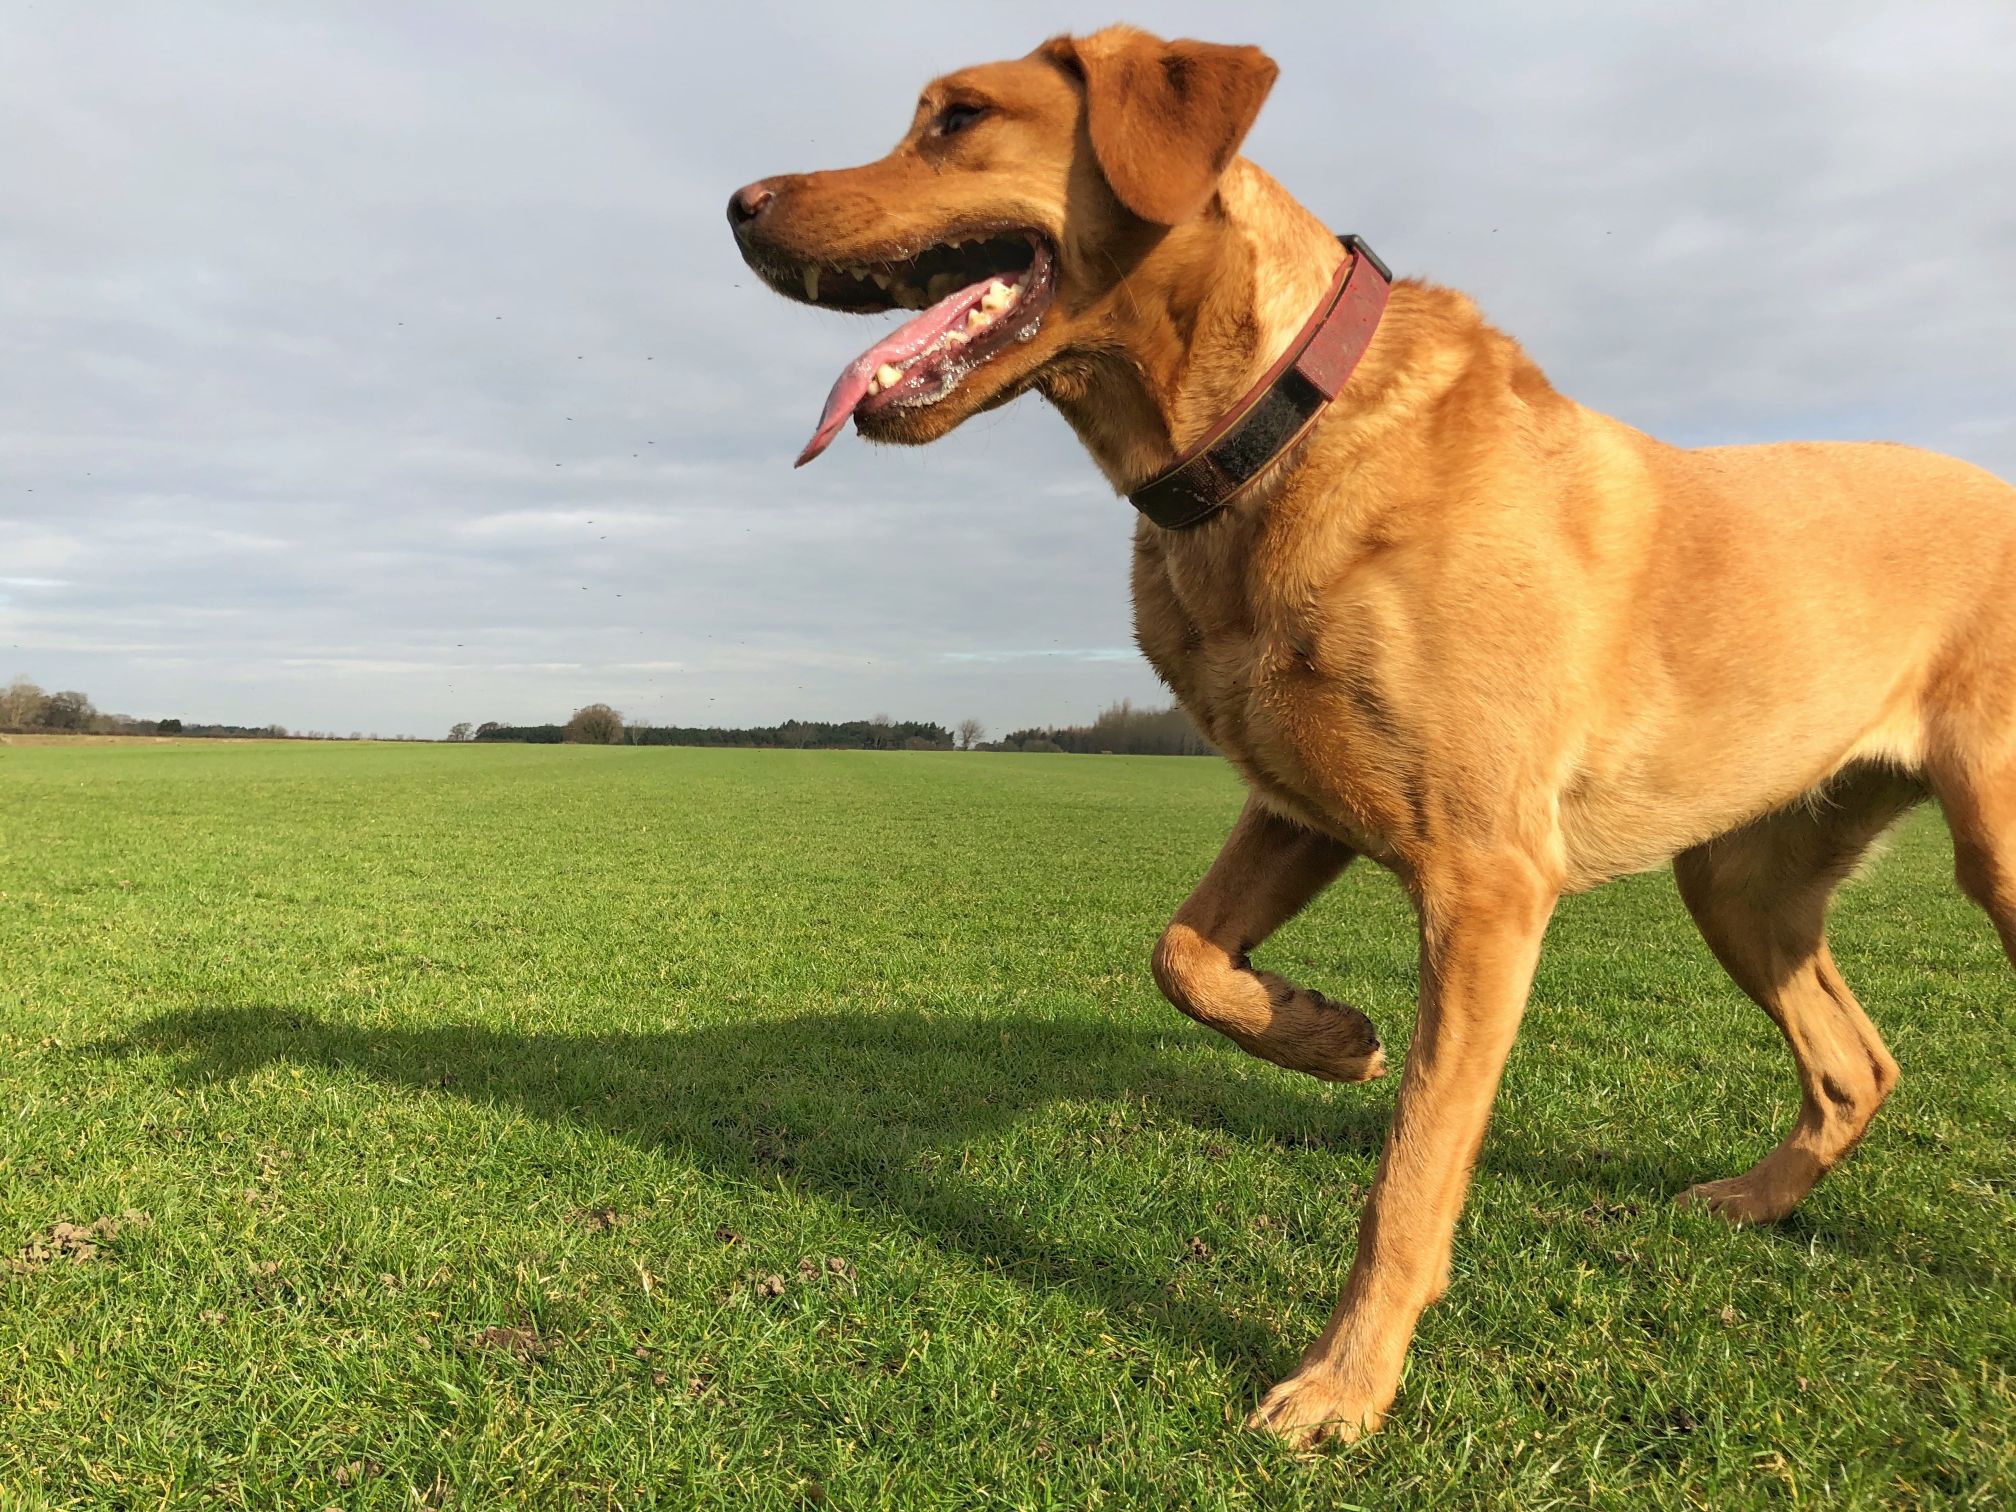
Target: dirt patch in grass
(76, 1242)
(525, 1343)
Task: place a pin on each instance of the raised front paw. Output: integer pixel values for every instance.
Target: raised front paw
(1328, 1040)
(1351, 1046)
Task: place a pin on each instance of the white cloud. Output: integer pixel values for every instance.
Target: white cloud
(1088, 654)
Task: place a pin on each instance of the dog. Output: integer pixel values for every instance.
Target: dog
(1438, 614)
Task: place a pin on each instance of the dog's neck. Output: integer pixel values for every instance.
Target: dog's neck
(1258, 263)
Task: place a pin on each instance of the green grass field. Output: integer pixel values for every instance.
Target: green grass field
(619, 1127)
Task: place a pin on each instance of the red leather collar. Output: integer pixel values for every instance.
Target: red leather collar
(1278, 410)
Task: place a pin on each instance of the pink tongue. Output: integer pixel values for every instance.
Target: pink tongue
(851, 387)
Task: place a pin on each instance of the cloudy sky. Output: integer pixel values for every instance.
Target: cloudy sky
(373, 366)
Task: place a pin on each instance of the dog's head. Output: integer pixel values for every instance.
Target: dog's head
(1010, 215)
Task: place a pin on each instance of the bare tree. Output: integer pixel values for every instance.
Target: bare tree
(971, 733)
(460, 731)
(21, 703)
(594, 724)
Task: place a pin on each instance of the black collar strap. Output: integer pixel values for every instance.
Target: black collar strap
(1278, 410)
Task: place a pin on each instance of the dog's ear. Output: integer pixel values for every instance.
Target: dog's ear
(1165, 118)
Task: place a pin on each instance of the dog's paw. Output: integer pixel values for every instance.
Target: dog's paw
(1359, 1062)
(1337, 1043)
(1742, 1199)
(1312, 1409)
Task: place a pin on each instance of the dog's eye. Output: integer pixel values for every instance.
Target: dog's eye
(954, 119)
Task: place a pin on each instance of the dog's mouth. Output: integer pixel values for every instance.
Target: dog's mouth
(979, 294)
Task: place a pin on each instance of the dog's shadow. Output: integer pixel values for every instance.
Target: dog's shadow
(869, 1111)
(865, 1111)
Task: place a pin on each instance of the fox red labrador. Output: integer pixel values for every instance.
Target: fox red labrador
(1437, 613)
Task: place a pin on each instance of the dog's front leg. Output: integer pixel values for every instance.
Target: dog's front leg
(1268, 870)
(1480, 937)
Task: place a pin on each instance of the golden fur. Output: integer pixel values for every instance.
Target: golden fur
(1499, 643)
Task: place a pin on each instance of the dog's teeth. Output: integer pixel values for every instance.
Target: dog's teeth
(941, 285)
(957, 338)
(882, 280)
(997, 297)
(888, 376)
(978, 319)
(874, 388)
(857, 270)
(812, 283)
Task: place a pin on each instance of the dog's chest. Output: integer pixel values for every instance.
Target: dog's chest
(1296, 703)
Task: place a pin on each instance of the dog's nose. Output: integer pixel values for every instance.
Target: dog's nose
(746, 203)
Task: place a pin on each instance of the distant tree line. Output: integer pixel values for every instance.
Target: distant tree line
(598, 724)
(1120, 730)
(25, 709)
(24, 706)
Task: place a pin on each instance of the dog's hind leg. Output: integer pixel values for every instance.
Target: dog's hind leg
(1971, 763)
(1760, 896)
(1266, 873)
(1981, 812)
